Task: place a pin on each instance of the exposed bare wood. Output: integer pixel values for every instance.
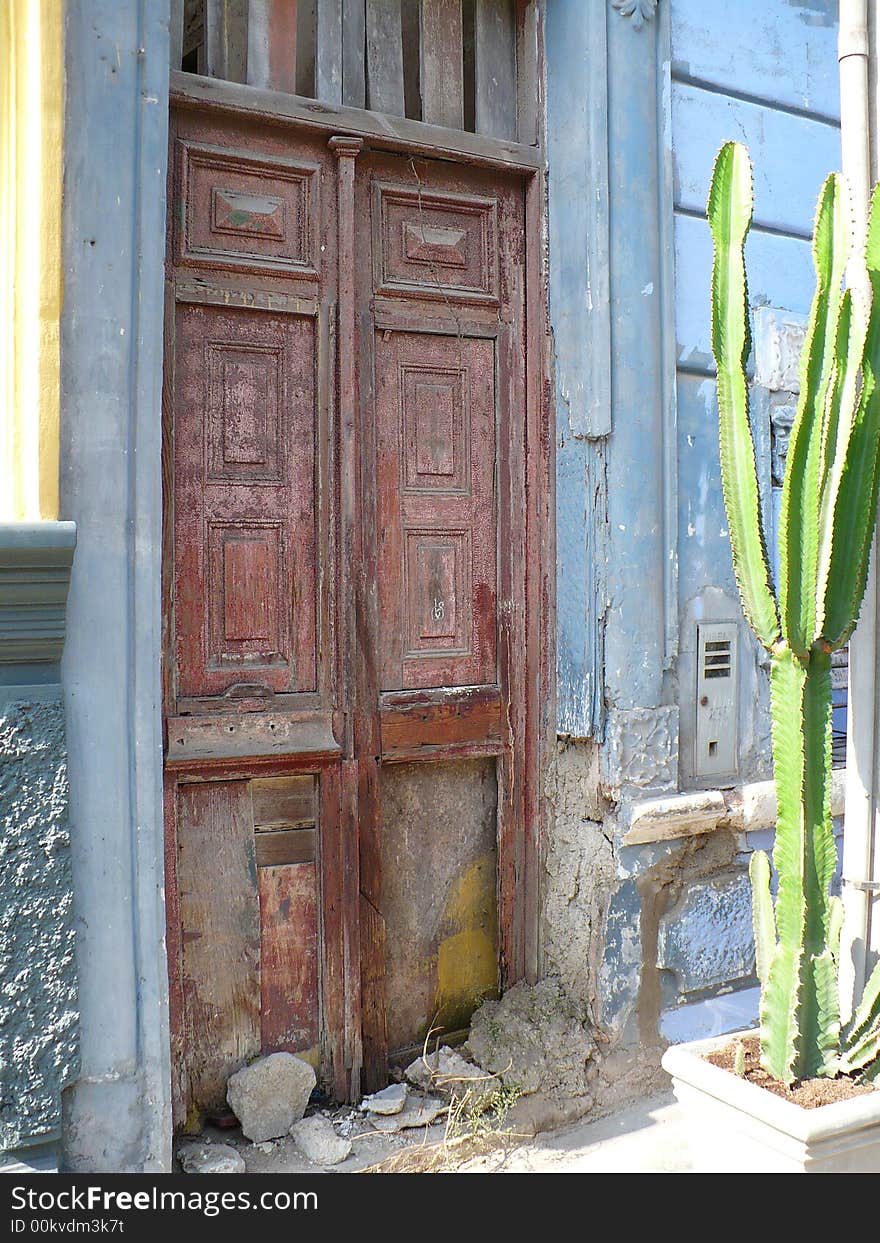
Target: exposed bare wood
(279, 846)
(375, 1039)
(354, 33)
(199, 739)
(441, 63)
(392, 133)
(289, 1013)
(495, 68)
(527, 79)
(306, 46)
(271, 55)
(439, 724)
(410, 33)
(286, 802)
(220, 935)
(328, 52)
(385, 57)
(226, 39)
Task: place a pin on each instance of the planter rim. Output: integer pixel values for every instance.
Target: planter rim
(687, 1063)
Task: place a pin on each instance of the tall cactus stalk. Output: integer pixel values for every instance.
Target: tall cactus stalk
(829, 502)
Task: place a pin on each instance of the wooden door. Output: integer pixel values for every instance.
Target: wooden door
(344, 597)
(441, 356)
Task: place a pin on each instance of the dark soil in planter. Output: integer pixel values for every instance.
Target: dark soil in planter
(809, 1093)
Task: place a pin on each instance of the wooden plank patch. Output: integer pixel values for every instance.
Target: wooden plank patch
(283, 802)
(220, 932)
(289, 941)
(285, 846)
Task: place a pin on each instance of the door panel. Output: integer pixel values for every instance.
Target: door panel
(435, 406)
(245, 504)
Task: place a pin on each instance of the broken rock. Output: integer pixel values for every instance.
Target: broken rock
(318, 1142)
(447, 1072)
(390, 1100)
(270, 1095)
(418, 1111)
(210, 1159)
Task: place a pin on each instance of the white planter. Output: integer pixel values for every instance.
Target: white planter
(735, 1127)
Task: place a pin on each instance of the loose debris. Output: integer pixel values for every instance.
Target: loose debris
(418, 1111)
(317, 1140)
(210, 1159)
(270, 1095)
(389, 1101)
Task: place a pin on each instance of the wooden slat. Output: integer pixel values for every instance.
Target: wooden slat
(440, 60)
(271, 35)
(220, 935)
(385, 58)
(495, 68)
(528, 84)
(175, 33)
(388, 133)
(283, 801)
(277, 846)
(306, 37)
(354, 31)
(226, 43)
(289, 957)
(193, 26)
(328, 52)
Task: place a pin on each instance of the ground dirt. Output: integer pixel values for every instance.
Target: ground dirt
(809, 1093)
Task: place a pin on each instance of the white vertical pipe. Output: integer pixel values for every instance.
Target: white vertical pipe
(864, 669)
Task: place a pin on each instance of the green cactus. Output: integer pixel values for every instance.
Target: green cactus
(829, 503)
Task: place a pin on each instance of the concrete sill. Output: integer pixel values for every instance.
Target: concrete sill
(746, 809)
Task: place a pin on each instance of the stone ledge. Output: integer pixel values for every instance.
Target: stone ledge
(35, 562)
(746, 809)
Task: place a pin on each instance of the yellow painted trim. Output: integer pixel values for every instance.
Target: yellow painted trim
(31, 137)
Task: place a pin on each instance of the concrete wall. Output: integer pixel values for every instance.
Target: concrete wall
(39, 1038)
(651, 929)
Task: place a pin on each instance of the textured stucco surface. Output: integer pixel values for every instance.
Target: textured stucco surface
(38, 1007)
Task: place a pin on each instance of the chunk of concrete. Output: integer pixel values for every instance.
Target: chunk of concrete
(270, 1095)
(418, 1111)
(318, 1142)
(390, 1100)
(536, 1039)
(210, 1159)
(447, 1072)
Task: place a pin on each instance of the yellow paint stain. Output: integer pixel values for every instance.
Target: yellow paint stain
(467, 956)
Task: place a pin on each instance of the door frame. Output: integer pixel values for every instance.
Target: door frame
(521, 827)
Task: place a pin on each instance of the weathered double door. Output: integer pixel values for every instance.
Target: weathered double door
(344, 597)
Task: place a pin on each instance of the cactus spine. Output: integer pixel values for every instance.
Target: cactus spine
(829, 502)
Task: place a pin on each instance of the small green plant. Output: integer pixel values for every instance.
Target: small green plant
(739, 1059)
(829, 503)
